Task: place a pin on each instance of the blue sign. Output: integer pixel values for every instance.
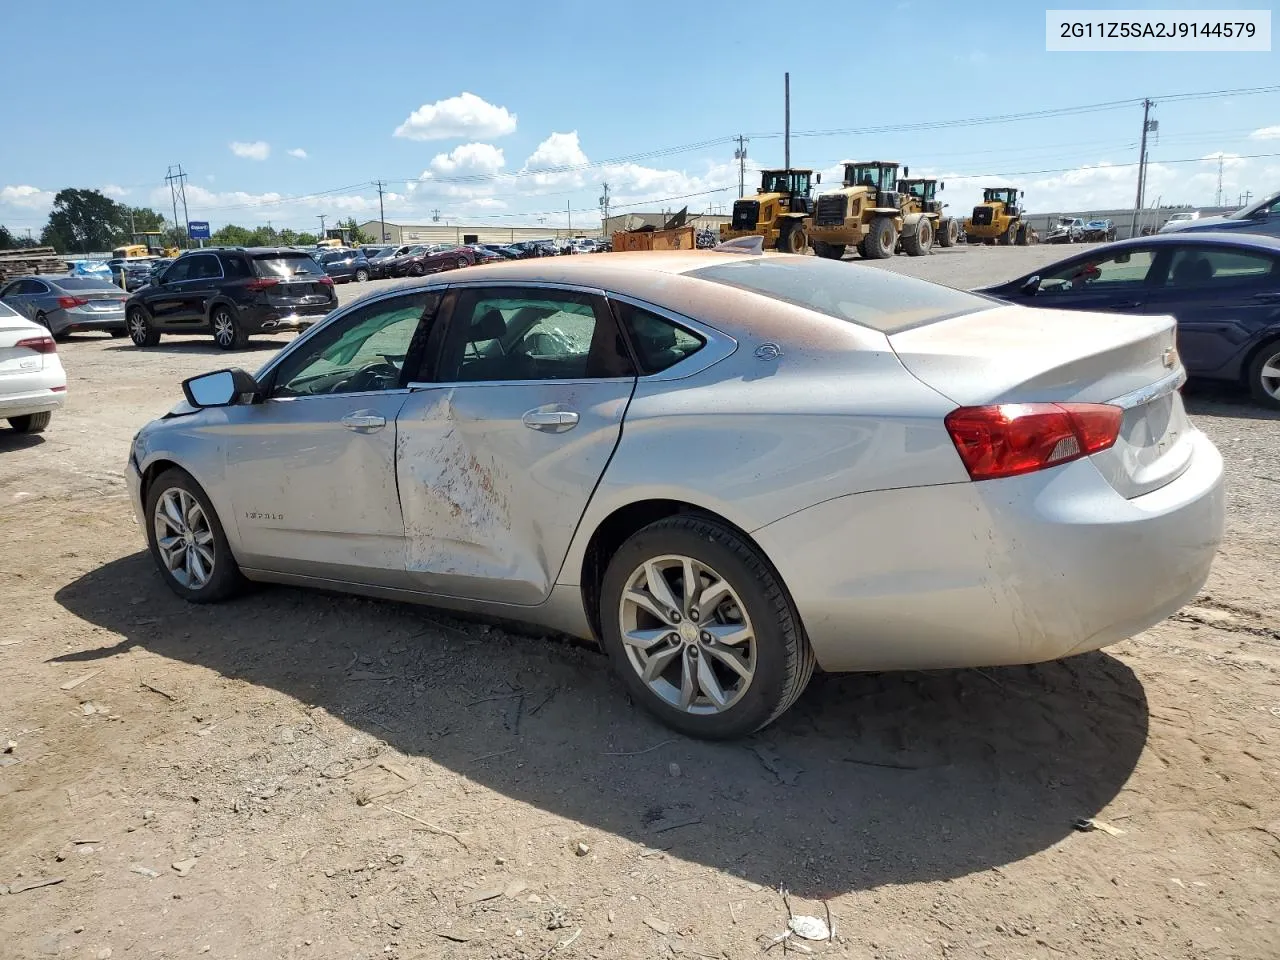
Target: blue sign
(198, 229)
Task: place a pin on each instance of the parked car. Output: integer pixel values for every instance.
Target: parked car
(422, 259)
(64, 305)
(345, 265)
(232, 293)
(1098, 231)
(158, 267)
(1065, 230)
(1184, 217)
(502, 250)
(1224, 290)
(1261, 217)
(129, 275)
(484, 254)
(371, 250)
(729, 468)
(32, 381)
(379, 266)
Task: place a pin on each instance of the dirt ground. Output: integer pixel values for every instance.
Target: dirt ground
(303, 775)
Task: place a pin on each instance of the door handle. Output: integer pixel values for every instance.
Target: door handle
(550, 421)
(364, 422)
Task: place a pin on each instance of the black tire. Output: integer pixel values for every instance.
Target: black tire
(1006, 239)
(784, 660)
(226, 580)
(921, 242)
(1023, 236)
(142, 330)
(362, 276)
(228, 332)
(463, 262)
(829, 251)
(32, 422)
(416, 270)
(1264, 375)
(880, 243)
(948, 234)
(792, 237)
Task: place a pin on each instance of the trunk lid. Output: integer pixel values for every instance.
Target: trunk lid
(1023, 355)
(15, 361)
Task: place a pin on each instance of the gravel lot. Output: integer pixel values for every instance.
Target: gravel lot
(304, 775)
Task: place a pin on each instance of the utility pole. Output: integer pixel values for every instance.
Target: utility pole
(1218, 202)
(1147, 124)
(570, 215)
(741, 156)
(1244, 198)
(382, 217)
(321, 217)
(133, 225)
(786, 80)
(604, 210)
(435, 215)
(176, 178)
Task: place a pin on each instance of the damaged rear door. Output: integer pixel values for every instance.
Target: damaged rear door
(499, 453)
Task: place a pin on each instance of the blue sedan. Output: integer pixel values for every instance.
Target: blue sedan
(1223, 289)
(1260, 217)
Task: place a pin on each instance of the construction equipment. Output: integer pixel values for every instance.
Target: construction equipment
(146, 243)
(998, 219)
(867, 212)
(779, 212)
(921, 196)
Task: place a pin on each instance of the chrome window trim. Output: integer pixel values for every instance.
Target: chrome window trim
(1152, 391)
(717, 346)
(333, 396)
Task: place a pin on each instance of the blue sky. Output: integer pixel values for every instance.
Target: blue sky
(485, 98)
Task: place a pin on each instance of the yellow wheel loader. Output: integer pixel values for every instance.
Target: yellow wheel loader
(779, 212)
(998, 219)
(921, 196)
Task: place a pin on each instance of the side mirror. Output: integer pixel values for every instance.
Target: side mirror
(817, 178)
(945, 205)
(943, 185)
(222, 388)
(1022, 194)
(1259, 214)
(1031, 287)
(906, 171)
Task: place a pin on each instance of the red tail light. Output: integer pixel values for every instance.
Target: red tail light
(263, 284)
(327, 281)
(1014, 438)
(38, 344)
(66, 303)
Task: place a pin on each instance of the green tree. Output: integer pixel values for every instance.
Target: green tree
(287, 238)
(7, 240)
(357, 236)
(232, 235)
(83, 221)
(305, 239)
(143, 218)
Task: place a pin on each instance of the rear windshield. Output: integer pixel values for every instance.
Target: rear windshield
(863, 295)
(286, 265)
(84, 283)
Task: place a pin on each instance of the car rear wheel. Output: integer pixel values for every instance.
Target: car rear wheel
(700, 629)
(32, 422)
(187, 541)
(141, 330)
(417, 270)
(362, 276)
(1264, 375)
(462, 262)
(227, 331)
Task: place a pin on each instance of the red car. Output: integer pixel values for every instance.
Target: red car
(417, 261)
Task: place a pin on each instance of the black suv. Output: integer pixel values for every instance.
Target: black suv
(231, 292)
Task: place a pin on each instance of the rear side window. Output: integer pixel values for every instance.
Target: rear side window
(1195, 265)
(285, 265)
(866, 296)
(657, 341)
(236, 268)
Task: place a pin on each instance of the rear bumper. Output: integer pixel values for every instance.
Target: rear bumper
(30, 401)
(1019, 570)
(65, 321)
(273, 319)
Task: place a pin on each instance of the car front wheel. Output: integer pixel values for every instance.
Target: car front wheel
(141, 330)
(700, 628)
(187, 541)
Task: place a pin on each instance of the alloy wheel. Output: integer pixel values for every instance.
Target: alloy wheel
(1269, 376)
(137, 326)
(687, 634)
(224, 328)
(184, 538)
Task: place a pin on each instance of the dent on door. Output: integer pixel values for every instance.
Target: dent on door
(491, 498)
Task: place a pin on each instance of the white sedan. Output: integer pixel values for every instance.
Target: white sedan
(32, 381)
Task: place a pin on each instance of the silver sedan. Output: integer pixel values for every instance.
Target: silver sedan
(727, 468)
(67, 304)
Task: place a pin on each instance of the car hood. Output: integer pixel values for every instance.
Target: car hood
(1210, 222)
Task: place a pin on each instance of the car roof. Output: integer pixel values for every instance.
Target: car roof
(1226, 238)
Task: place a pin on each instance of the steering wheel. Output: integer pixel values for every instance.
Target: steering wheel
(378, 375)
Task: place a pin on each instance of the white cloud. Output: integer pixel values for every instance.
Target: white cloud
(26, 196)
(257, 150)
(114, 190)
(1266, 133)
(469, 159)
(465, 115)
(552, 156)
(299, 153)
